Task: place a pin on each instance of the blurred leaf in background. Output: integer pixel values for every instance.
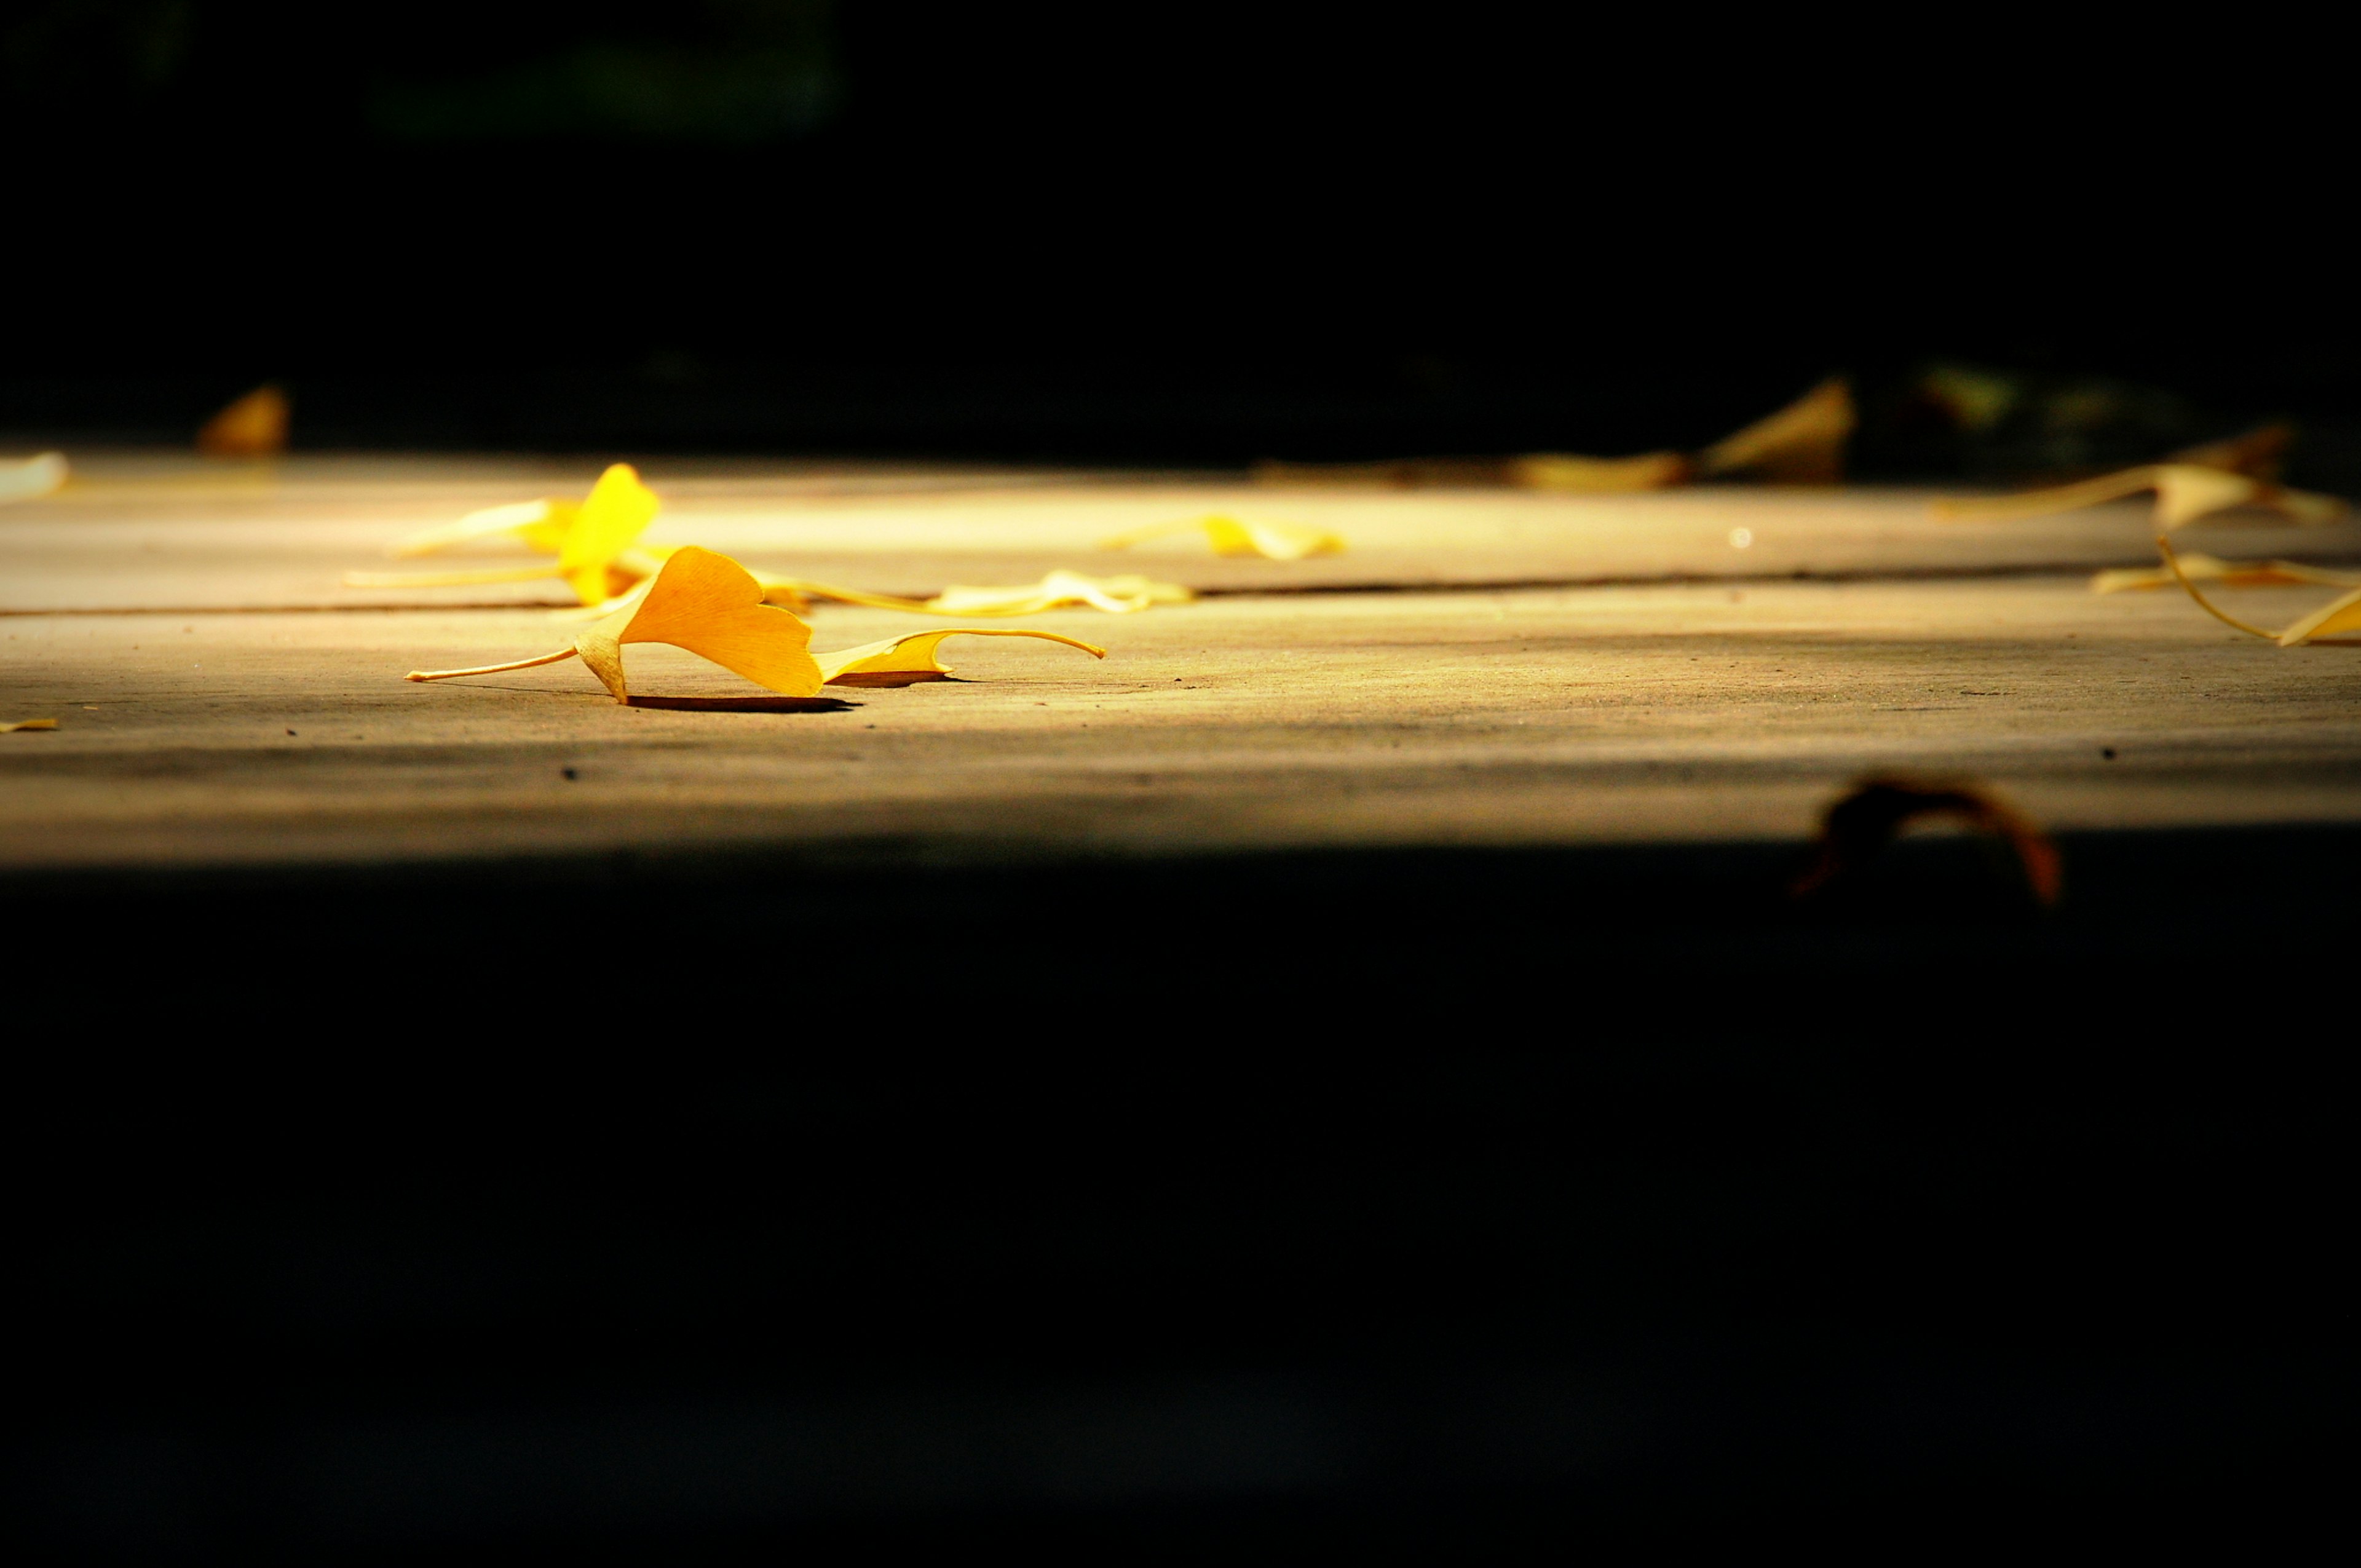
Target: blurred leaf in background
(716, 71)
(89, 57)
(429, 72)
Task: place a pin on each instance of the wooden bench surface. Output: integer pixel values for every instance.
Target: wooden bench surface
(221, 698)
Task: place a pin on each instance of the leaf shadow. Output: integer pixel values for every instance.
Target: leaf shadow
(889, 678)
(744, 704)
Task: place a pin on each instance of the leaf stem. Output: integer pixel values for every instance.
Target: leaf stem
(489, 669)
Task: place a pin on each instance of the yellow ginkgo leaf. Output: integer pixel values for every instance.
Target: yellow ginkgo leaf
(611, 521)
(594, 542)
(1235, 536)
(909, 658)
(253, 426)
(705, 603)
(2206, 568)
(1803, 444)
(2184, 492)
(7, 729)
(26, 479)
(1598, 476)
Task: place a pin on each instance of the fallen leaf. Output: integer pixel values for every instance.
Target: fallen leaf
(1803, 444)
(2255, 453)
(1121, 594)
(2341, 615)
(541, 524)
(26, 478)
(2184, 492)
(1234, 536)
(1597, 476)
(2229, 573)
(595, 540)
(253, 426)
(705, 603)
(910, 658)
(28, 724)
(1873, 812)
(713, 606)
(610, 519)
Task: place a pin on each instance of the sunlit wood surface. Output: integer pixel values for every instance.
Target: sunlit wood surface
(1630, 673)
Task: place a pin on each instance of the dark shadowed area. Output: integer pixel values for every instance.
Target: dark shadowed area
(1206, 233)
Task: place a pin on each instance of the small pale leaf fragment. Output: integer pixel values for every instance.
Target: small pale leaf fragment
(541, 524)
(1120, 595)
(29, 478)
(1236, 536)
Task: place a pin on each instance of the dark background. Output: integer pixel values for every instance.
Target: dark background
(1196, 234)
(722, 1207)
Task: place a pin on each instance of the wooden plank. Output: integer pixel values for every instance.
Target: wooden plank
(1525, 717)
(160, 536)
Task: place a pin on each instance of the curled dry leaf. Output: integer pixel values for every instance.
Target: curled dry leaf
(7, 729)
(1874, 812)
(1803, 444)
(2184, 492)
(26, 478)
(253, 426)
(910, 658)
(2343, 614)
(2255, 453)
(714, 607)
(1600, 475)
(596, 542)
(2199, 567)
(1235, 536)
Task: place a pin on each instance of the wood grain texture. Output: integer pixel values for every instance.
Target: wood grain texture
(1537, 716)
(134, 534)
